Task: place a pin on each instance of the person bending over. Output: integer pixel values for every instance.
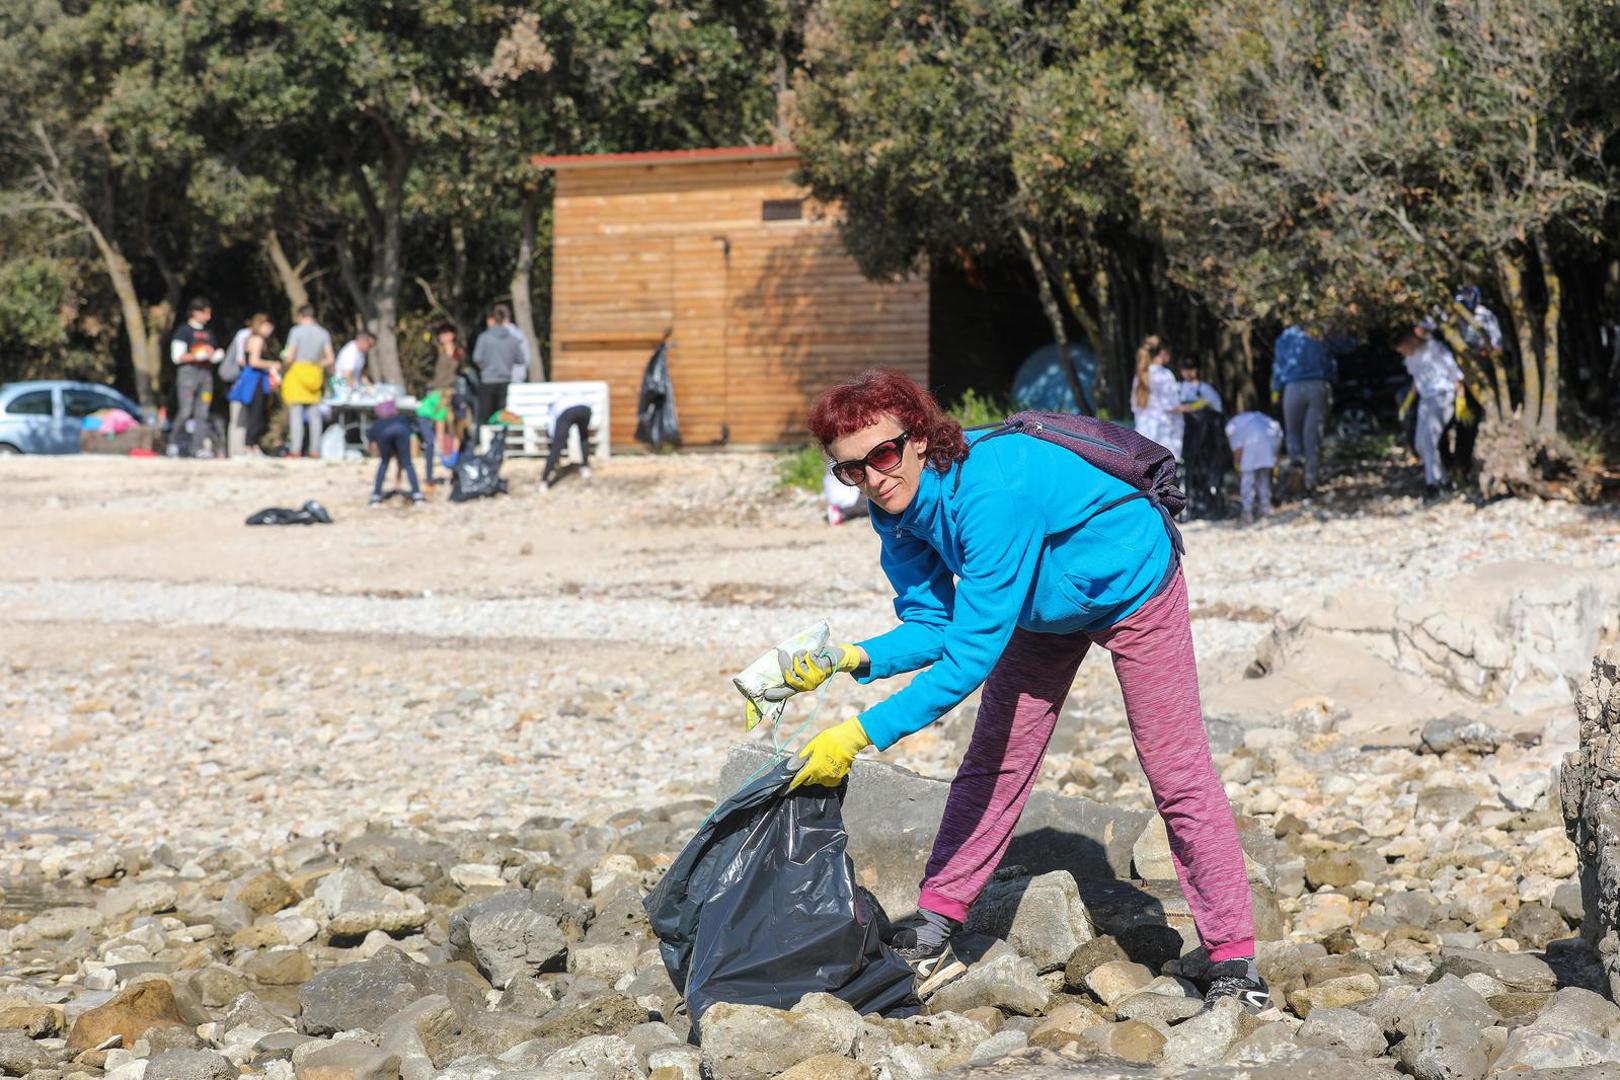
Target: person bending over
(1000, 580)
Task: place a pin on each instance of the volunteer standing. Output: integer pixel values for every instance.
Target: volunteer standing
(1438, 382)
(1000, 580)
(309, 356)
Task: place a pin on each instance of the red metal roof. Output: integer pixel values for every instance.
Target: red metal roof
(661, 157)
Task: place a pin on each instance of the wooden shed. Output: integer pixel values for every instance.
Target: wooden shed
(722, 250)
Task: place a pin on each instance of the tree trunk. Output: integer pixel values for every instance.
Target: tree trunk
(386, 225)
(289, 276)
(1472, 374)
(1510, 276)
(1549, 337)
(148, 364)
(1054, 314)
(523, 281)
(1111, 350)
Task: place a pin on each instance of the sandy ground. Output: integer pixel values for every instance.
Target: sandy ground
(171, 672)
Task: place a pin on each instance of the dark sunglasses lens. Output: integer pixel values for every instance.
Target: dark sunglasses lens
(849, 474)
(884, 456)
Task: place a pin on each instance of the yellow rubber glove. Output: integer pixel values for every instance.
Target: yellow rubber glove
(1406, 404)
(803, 671)
(1465, 415)
(1276, 396)
(829, 755)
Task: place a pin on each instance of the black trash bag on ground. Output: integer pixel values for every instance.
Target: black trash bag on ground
(311, 513)
(655, 410)
(477, 475)
(761, 907)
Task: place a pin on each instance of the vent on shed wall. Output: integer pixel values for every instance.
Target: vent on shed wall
(782, 210)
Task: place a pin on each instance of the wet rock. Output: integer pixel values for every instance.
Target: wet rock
(1341, 1029)
(130, 1015)
(753, 1042)
(364, 995)
(1005, 981)
(1041, 917)
(508, 935)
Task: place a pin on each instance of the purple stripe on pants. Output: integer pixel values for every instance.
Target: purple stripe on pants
(1153, 658)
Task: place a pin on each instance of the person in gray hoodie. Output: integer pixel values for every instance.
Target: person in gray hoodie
(501, 348)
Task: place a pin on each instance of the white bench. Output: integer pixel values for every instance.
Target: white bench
(532, 401)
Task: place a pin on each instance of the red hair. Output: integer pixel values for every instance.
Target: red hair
(880, 392)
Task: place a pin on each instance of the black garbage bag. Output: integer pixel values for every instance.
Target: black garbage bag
(655, 410)
(311, 513)
(761, 907)
(1207, 458)
(478, 475)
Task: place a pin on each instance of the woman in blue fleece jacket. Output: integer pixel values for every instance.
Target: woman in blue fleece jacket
(1001, 580)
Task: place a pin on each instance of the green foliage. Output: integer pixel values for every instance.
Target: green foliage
(801, 469)
(32, 291)
(976, 410)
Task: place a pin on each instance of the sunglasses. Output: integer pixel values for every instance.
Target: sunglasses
(884, 457)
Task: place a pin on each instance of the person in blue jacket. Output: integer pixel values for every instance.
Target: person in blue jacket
(1001, 581)
(1303, 369)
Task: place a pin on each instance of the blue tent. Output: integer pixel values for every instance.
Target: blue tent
(1041, 383)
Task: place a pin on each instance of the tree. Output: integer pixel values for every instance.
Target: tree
(1353, 165)
(91, 134)
(989, 129)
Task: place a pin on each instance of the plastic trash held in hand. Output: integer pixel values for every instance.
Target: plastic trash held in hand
(761, 682)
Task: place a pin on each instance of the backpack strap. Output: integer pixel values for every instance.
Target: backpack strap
(1001, 428)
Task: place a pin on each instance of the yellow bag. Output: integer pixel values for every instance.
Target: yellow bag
(302, 384)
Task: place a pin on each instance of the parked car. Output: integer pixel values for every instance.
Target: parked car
(44, 416)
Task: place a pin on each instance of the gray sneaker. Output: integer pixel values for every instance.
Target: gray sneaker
(1240, 979)
(934, 961)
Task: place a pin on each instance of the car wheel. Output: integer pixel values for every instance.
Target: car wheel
(7, 448)
(1355, 423)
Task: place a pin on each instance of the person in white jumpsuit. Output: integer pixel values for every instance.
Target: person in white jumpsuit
(1439, 381)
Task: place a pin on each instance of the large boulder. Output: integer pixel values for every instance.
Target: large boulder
(892, 814)
(1590, 783)
(365, 995)
(131, 1014)
(1041, 917)
(508, 935)
(754, 1042)
(356, 903)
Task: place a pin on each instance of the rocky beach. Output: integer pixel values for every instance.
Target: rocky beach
(383, 798)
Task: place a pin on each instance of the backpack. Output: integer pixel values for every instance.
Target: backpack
(231, 366)
(1118, 451)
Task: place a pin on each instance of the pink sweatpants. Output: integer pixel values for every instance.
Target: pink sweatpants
(1153, 657)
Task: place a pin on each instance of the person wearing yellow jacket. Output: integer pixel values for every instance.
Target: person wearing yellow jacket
(309, 357)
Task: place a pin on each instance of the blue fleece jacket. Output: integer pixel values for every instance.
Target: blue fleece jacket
(971, 562)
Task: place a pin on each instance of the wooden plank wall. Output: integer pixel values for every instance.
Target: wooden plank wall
(764, 314)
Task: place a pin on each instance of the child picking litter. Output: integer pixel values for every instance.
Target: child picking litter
(1255, 439)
